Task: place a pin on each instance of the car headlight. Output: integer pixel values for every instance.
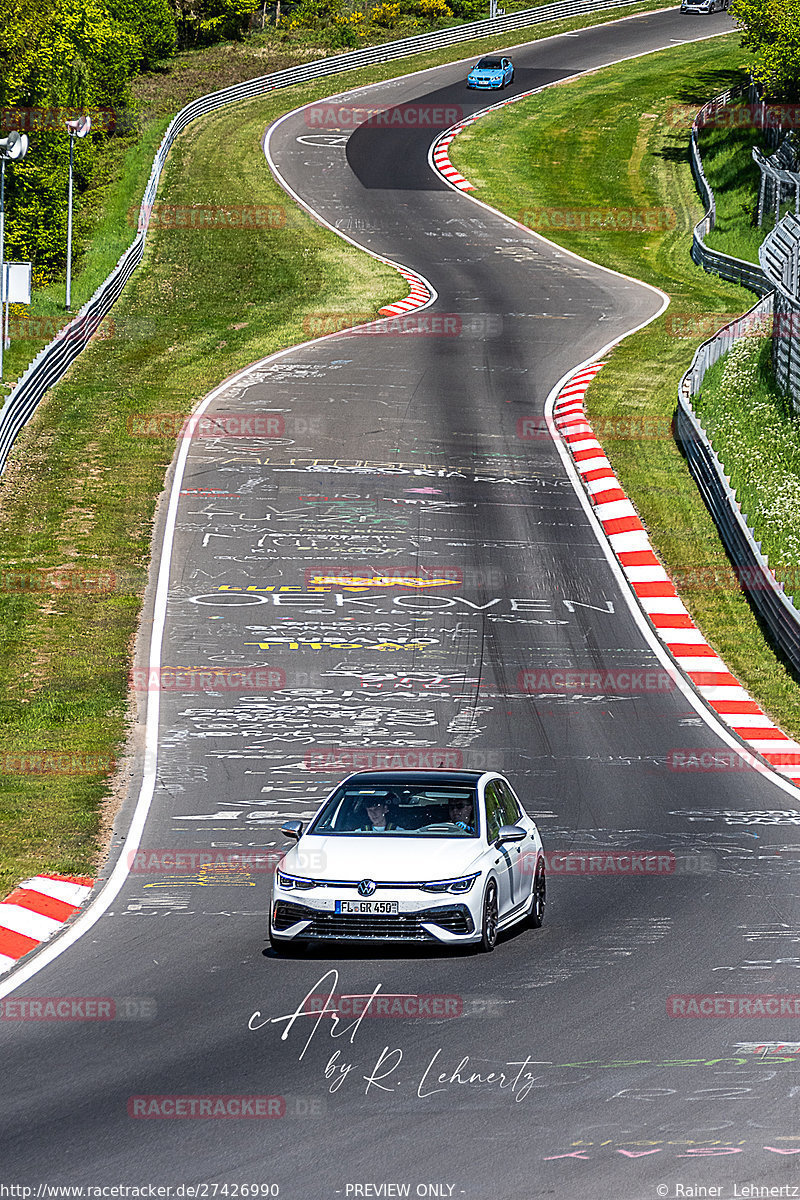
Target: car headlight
(460, 885)
(294, 881)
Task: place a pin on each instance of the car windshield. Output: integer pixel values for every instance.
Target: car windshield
(399, 810)
(489, 64)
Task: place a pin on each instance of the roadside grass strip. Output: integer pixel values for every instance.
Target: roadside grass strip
(36, 910)
(726, 151)
(656, 592)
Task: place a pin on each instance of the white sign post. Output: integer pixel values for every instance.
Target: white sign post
(16, 289)
(12, 149)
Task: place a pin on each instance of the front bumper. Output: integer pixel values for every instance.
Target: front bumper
(446, 923)
(488, 85)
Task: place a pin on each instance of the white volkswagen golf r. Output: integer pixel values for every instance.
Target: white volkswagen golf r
(447, 857)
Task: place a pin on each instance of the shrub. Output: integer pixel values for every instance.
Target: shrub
(432, 10)
(757, 437)
(469, 10)
(387, 15)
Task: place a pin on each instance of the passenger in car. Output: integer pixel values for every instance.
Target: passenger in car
(462, 814)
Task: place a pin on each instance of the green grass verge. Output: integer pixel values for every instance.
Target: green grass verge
(624, 153)
(80, 493)
(734, 178)
(756, 434)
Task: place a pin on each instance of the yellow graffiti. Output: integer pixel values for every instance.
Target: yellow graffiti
(385, 581)
(209, 874)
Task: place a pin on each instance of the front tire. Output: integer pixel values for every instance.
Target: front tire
(491, 916)
(536, 919)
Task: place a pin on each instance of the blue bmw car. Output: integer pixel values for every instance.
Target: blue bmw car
(491, 73)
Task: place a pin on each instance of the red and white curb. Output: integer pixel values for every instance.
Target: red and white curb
(35, 911)
(419, 295)
(438, 155)
(441, 159)
(656, 592)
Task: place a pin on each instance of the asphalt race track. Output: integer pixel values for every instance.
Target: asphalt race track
(398, 455)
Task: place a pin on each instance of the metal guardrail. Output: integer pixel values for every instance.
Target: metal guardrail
(779, 255)
(737, 270)
(52, 362)
(778, 171)
(775, 608)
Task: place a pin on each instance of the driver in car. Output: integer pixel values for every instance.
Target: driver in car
(374, 817)
(461, 813)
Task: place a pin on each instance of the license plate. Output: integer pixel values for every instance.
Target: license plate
(374, 907)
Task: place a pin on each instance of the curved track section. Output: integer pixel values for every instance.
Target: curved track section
(397, 461)
(658, 597)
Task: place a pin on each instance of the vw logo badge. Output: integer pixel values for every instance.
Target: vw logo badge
(367, 887)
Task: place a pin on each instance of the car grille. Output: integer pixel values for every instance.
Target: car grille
(403, 927)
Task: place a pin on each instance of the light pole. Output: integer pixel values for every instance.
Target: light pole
(12, 148)
(77, 128)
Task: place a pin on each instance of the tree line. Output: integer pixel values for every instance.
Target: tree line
(59, 57)
(62, 57)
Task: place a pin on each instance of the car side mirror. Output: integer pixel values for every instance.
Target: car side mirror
(292, 829)
(510, 833)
